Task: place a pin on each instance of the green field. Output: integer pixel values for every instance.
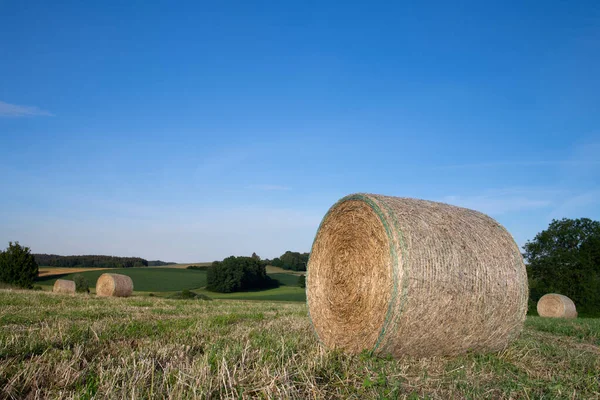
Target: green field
(144, 279)
(286, 279)
(164, 281)
(282, 293)
(83, 347)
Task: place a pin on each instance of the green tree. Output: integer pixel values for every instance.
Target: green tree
(565, 259)
(302, 281)
(235, 274)
(293, 260)
(18, 266)
(81, 284)
(276, 262)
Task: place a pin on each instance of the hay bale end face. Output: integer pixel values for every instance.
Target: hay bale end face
(114, 285)
(403, 276)
(64, 286)
(554, 305)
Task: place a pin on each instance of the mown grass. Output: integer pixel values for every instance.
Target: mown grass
(56, 346)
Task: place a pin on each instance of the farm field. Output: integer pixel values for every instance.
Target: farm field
(282, 293)
(144, 279)
(182, 266)
(143, 347)
(48, 271)
(166, 280)
(276, 270)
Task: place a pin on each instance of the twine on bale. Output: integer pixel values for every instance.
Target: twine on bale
(554, 305)
(413, 277)
(64, 286)
(114, 285)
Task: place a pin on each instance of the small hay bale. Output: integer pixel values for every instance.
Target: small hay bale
(403, 276)
(554, 305)
(114, 285)
(64, 286)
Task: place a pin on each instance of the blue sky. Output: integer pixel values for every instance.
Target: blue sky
(190, 132)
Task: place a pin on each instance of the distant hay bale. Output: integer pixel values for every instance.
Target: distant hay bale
(114, 285)
(64, 286)
(403, 276)
(556, 306)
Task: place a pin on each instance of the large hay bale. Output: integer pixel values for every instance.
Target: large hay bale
(403, 276)
(64, 286)
(556, 306)
(115, 285)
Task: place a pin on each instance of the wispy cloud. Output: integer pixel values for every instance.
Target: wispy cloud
(14, 110)
(269, 187)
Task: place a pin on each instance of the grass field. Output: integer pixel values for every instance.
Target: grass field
(144, 279)
(282, 293)
(56, 346)
(286, 279)
(165, 281)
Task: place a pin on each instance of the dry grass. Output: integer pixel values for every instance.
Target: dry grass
(48, 271)
(81, 347)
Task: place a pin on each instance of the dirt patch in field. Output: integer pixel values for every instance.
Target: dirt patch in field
(49, 271)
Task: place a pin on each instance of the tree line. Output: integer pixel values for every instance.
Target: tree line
(89, 261)
(290, 260)
(158, 263)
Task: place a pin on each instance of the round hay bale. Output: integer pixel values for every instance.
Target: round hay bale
(64, 286)
(114, 285)
(554, 305)
(403, 276)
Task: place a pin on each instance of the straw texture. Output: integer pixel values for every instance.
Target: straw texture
(403, 276)
(556, 306)
(64, 286)
(115, 285)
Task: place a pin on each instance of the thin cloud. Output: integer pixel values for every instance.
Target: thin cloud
(269, 187)
(14, 110)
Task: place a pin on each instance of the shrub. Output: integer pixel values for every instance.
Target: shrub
(186, 294)
(81, 284)
(302, 281)
(18, 266)
(235, 274)
(198, 267)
